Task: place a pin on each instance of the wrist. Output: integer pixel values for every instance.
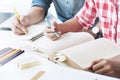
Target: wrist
(60, 28)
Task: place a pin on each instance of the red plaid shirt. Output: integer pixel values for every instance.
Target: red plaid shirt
(108, 12)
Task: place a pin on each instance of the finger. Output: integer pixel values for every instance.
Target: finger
(93, 63)
(59, 34)
(55, 38)
(104, 70)
(18, 25)
(96, 61)
(98, 64)
(88, 69)
(16, 30)
(46, 33)
(48, 30)
(52, 36)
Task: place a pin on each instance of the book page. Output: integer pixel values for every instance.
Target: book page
(47, 46)
(84, 54)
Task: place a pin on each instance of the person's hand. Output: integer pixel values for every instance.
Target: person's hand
(19, 26)
(52, 33)
(105, 67)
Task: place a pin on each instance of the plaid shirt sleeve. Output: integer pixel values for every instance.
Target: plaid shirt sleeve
(107, 12)
(87, 15)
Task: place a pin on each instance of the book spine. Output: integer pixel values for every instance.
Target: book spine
(11, 57)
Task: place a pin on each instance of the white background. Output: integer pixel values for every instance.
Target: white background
(22, 6)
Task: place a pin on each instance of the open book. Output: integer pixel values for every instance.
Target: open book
(46, 46)
(77, 50)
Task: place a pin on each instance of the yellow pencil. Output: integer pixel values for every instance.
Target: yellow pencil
(9, 55)
(18, 16)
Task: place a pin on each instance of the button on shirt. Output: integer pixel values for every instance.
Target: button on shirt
(65, 9)
(108, 12)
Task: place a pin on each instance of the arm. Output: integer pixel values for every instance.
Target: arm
(84, 18)
(72, 25)
(35, 15)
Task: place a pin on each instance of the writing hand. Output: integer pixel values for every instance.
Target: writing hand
(19, 26)
(50, 32)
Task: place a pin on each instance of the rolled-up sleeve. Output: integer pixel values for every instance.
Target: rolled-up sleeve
(42, 3)
(87, 15)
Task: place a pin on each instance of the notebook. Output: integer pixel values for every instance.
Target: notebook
(77, 50)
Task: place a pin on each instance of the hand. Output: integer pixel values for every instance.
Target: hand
(105, 67)
(51, 32)
(19, 26)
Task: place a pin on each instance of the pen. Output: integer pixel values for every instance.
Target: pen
(52, 27)
(37, 36)
(18, 16)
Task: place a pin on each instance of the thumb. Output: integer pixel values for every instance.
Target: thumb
(54, 23)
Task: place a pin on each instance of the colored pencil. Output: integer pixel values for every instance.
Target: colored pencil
(11, 57)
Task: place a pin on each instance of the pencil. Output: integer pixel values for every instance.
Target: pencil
(36, 36)
(52, 27)
(18, 16)
(4, 50)
(7, 52)
(11, 57)
(10, 54)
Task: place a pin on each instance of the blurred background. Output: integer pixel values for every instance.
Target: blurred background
(22, 6)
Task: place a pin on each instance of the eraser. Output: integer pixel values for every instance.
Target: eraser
(28, 62)
(38, 75)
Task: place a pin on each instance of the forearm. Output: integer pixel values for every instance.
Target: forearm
(35, 15)
(71, 25)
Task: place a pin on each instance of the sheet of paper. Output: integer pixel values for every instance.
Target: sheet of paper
(47, 46)
(84, 54)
